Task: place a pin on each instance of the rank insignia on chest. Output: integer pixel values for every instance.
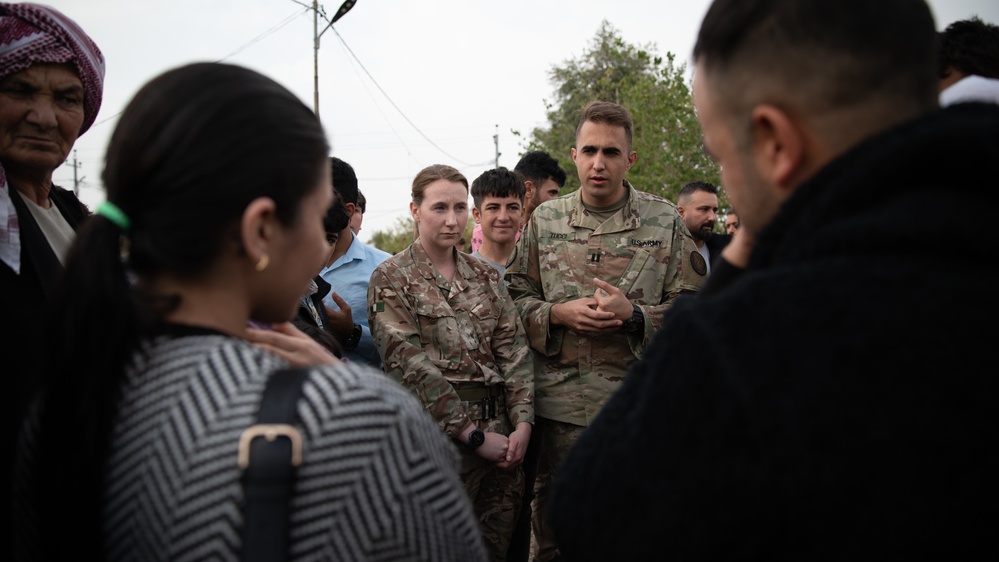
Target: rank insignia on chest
(698, 263)
(378, 307)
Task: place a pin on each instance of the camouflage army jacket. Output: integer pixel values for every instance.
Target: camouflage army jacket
(643, 249)
(431, 333)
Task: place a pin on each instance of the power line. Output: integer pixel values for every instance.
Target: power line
(375, 82)
(347, 5)
(380, 112)
(256, 39)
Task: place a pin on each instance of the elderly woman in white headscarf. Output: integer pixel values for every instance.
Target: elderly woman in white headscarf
(51, 82)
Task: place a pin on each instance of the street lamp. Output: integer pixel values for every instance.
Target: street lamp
(344, 8)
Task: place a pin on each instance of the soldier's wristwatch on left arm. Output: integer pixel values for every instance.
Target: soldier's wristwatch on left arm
(636, 322)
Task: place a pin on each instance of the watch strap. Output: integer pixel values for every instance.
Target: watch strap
(637, 320)
(351, 341)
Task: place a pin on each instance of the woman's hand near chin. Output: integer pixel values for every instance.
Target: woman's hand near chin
(291, 344)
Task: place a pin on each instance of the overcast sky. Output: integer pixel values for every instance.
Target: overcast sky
(428, 81)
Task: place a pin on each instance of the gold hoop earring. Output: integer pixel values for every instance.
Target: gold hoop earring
(263, 262)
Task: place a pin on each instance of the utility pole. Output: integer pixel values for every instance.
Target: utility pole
(344, 8)
(496, 142)
(76, 181)
(315, 56)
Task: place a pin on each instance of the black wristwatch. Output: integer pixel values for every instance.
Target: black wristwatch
(351, 341)
(475, 439)
(636, 322)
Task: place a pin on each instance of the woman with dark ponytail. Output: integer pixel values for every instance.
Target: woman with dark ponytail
(217, 183)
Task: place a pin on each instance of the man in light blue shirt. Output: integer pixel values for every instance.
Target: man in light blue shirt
(348, 273)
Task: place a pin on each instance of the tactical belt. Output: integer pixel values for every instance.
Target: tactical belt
(482, 402)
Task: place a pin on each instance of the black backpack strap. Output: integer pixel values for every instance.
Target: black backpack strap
(269, 452)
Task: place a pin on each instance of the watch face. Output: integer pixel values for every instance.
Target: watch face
(476, 438)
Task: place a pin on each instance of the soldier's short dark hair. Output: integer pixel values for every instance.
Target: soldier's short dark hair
(610, 113)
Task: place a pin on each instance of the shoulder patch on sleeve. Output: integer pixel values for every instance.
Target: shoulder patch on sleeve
(698, 263)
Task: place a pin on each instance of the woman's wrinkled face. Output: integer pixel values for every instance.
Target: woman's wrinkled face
(41, 112)
(442, 215)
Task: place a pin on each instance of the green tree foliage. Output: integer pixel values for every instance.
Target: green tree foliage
(396, 238)
(402, 233)
(654, 89)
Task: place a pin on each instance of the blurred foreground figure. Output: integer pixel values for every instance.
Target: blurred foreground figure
(827, 396)
(217, 182)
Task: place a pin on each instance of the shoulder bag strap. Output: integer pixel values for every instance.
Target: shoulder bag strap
(269, 452)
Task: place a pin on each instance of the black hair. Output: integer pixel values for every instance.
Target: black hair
(882, 51)
(362, 203)
(970, 46)
(538, 166)
(336, 218)
(320, 335)
(344, 180)
(498, 182)
(191, 150)
(690, 187)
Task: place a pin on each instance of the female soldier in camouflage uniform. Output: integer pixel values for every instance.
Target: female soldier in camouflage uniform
(447, 329)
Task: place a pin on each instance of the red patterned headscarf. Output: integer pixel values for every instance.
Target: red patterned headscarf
(32, 34)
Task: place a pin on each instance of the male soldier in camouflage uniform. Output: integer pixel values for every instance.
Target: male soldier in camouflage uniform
(593, 273)
(460, 346)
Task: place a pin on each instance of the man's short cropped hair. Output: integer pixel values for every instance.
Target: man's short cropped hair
(344, 180)
(690, 187)
(824, 56)
(608, 113)
(538, 166)
(498, 182)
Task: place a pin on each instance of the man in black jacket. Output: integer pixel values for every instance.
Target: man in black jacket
(697, 203)
(827, 394)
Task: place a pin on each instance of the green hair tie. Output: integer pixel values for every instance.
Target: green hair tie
(111, 212)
